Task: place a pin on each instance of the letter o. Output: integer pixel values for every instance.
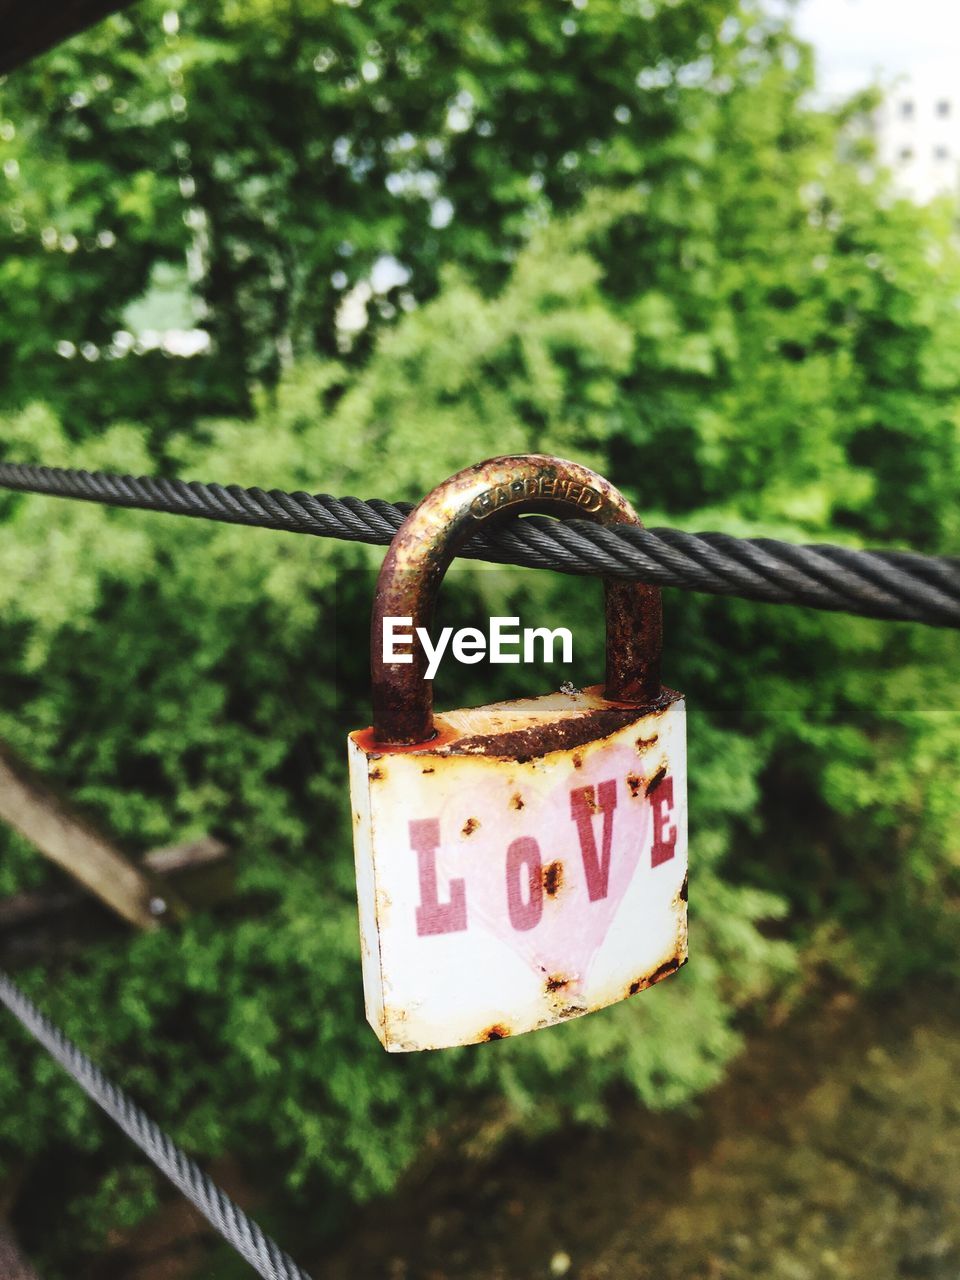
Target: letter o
(524, 913)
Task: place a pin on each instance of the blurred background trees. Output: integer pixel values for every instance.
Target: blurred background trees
(395, 241)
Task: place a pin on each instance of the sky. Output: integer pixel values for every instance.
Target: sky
(860, 41)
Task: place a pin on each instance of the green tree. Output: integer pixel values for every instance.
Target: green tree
(290, 147)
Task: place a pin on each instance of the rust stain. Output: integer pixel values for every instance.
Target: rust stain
(572, 1011)
(497, 1032)
(430, 770)
(470, 826)
(657, 778)
(578, 759)
(556, 982)
(634, 783)
(539, 739)
(376, 774)
(668, 967)
(517, 801)
(644, 743)
(374, 749)
(683, 889)
(552, 878)
(662, 971)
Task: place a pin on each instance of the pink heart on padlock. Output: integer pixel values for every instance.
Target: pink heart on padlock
(551, 895)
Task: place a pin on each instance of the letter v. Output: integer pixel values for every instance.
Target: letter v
(583, 805)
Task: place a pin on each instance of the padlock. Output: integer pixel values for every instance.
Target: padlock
(521, 863)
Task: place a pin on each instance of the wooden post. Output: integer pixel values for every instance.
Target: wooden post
(61, 920)
(39, 814)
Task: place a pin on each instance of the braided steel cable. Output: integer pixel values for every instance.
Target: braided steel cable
(265, 1257)
(879, 584)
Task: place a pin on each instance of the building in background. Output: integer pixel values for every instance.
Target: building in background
(918, 137)
(910, 52)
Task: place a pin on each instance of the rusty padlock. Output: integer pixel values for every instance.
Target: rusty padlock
(521, 863)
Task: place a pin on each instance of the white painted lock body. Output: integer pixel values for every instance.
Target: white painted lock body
(526, 866)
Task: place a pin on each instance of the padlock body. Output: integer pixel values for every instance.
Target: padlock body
(526, 866)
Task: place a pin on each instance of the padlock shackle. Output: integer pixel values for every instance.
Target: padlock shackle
(443, 522)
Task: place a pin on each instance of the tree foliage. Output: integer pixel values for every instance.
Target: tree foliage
(661, 260)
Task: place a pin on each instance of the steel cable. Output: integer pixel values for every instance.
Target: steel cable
(265, 1257)
(879, 584)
